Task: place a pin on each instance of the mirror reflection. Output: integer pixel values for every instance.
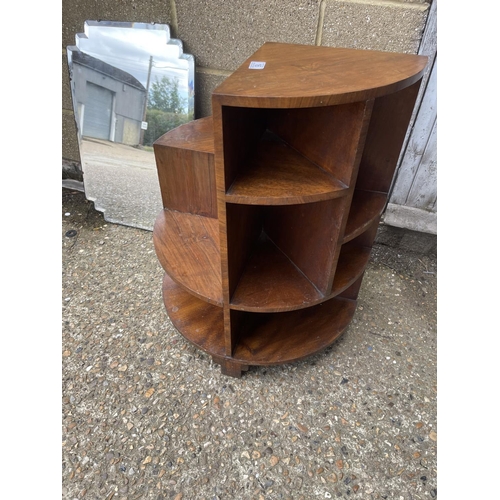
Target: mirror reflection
(130, 84)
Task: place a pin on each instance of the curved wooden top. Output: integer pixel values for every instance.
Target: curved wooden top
(196, 135)
(299, 76)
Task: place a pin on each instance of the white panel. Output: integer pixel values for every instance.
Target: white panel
(423, 190)
(417, 143)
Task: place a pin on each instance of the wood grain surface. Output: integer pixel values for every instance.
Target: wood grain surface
(301, 76)
(187, 247)
(273, 204)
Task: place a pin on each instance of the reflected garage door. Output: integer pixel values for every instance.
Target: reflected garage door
(98, 110)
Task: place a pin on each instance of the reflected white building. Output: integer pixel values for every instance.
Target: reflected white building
(110, 102)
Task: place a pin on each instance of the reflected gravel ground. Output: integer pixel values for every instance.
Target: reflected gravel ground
(148, 416)
(122, 181)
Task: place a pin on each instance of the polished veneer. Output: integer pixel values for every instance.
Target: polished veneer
(272, 204)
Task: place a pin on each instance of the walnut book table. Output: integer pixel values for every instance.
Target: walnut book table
(272, 204)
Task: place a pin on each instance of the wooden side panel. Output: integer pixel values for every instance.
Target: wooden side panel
(221, 211)
(308, 235)
(327, 136)
(187, 180)
(242, 129)
(244, 226)
(390, 118)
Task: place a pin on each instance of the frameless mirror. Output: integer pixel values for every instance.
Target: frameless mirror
(130, 83)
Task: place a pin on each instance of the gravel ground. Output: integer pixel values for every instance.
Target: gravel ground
(145, 415)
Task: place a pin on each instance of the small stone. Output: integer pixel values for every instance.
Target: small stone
(433, 436)
(178, 496)
(245, 454)
(340, 464)
(256, 454)
(302, 428)
(149, 392)
(147, 460)
(355, 488)
(113, 364)
(66, 353)
(419, 425)
(332, 478)
(274, 460)
(122, 368)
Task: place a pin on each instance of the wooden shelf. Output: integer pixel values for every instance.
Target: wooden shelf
(275, 338)
(200, 322)
(290, 336)
(366, 207)
(187, 247)
(272, 283)
(278, 175)
(272, 205)
(352, 262)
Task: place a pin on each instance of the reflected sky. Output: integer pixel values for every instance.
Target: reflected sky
(130, 49)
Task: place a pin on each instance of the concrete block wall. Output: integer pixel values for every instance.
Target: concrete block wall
(221, 34)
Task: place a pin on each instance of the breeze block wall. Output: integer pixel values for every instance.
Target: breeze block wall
(221, 34)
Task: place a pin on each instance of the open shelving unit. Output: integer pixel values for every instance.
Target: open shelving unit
(272, 204)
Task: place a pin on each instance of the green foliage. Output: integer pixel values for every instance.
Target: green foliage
(160, 122)
(166, 109)
(164, 95)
